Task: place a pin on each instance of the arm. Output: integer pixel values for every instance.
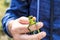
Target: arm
(17, 8)
(18, 31)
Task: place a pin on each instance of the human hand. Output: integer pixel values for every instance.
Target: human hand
(18, 29)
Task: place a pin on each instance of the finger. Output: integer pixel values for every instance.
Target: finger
(24, 28)
(39, 25)
(36, 26)
(23, 20)
(41, 35)
(38, 36)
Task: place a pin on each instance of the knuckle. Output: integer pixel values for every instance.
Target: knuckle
(37, 37)
(32, 27)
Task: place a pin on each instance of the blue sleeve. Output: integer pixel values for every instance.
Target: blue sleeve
(17, 9)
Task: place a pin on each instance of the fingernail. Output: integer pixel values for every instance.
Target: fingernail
(43, 34)
(39, 24)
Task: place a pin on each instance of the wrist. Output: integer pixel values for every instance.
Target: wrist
(10, 26)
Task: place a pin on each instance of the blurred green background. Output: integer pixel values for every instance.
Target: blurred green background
(4, 4)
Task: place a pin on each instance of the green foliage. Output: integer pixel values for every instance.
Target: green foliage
(6, 2)
(3, 8)
(2, 11)
(0, 26)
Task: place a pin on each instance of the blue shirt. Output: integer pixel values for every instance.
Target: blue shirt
(20, 8)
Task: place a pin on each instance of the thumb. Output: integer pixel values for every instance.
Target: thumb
(23, 20)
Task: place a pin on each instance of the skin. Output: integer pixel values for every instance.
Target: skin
(18, 29)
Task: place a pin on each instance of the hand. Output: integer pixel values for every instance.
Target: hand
(18, 29)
